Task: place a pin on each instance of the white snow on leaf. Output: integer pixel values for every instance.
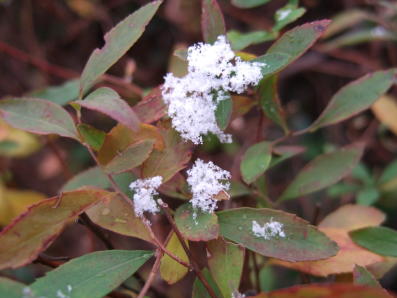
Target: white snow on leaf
(144, 191)
(213, 71)
(269, 230)
(283, 14)
(206, 180)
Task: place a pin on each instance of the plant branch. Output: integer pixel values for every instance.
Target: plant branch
(125, 197)
(290, 135)
(193, 262)
(59, 71)
(152, 275)
(265, 198)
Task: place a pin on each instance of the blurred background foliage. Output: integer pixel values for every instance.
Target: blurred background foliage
(45, 44)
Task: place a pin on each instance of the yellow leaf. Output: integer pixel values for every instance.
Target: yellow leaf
(170, 270)
(246, 56)
(14, 202)
(352, 217)
(120, 137)
(84, 8)
(385, 109)
(15, 142)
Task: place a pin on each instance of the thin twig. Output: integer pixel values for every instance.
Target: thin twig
(256, 269)
(195, 266)
(289, 135)
(265, 198)
(59, 71)
(162, 247)
(152, 275)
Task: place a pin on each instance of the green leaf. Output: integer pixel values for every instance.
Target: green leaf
(347, 19)
(117, 215)
(91, 135)
(298, 40)
(363, 277)
(364, 35)
(238, 189)
(355, 97)
(240, 40)
(212, 22)
(92, 275)
(95, 177)
(272, 62)
(281, 153)
(130, 158)
(380, 240)
(117, 42)
(362, 173)
(199, 291)
(223, 112)
(170, 270)
(255, 161)
(267, 278)
(11, 289)
(302, 242)
(389, 173)
(170, 160)
(286, 15)
(38, 116)
(195, 224)
(108, 102)
(270, 101)
(225, 263)
(323, 171)
(61, 94)
(367, 196)
(34, 231)
(248, 3)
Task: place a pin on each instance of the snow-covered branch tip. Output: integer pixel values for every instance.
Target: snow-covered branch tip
(206, 180)
(213, 72)
(144, 192)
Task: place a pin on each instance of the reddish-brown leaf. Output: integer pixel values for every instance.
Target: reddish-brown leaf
(152, 107)
(352, 217)
(33, 231)
(120, 137)
(171, 159)
(117, 215)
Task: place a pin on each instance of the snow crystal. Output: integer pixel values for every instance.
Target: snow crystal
(213, 71)
(283, 13)
(144, 190)
(27, 292)
(60, 294)
(268, 230)
(379, 31)
(206, 180)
